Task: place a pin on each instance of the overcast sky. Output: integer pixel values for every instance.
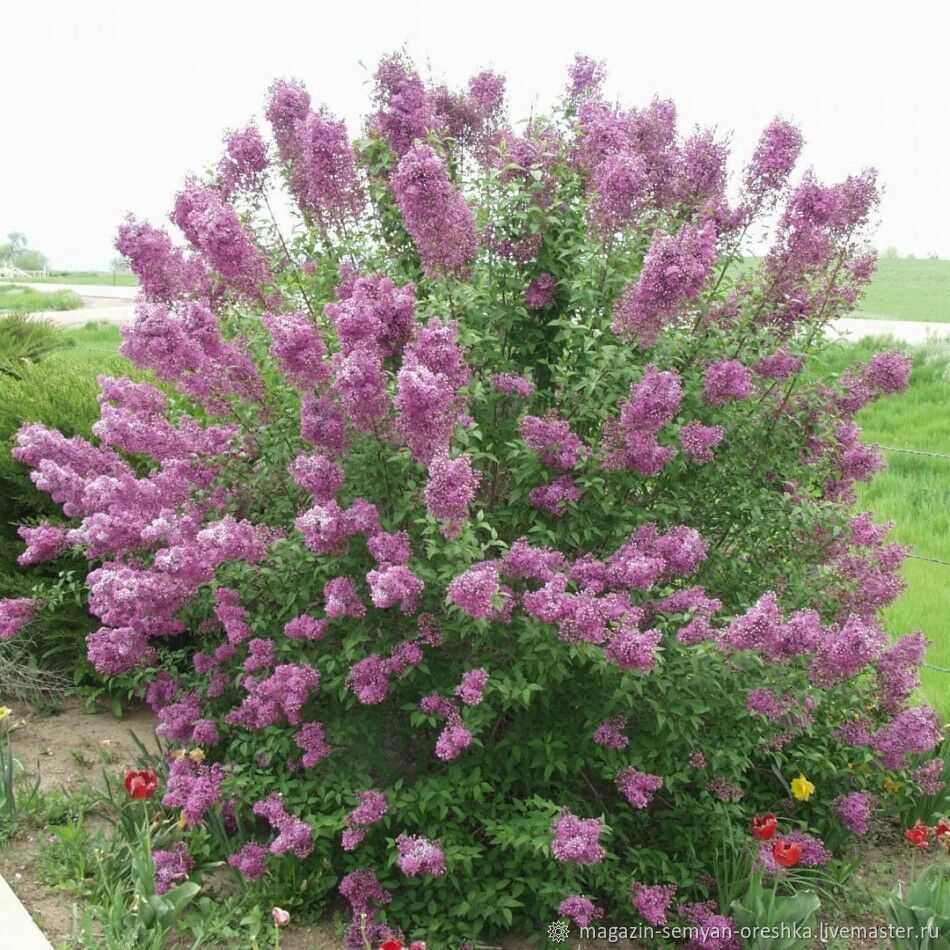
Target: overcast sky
(106, 106)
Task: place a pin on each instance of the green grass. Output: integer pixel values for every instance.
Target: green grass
(87, 277)
(914, 493)
(92, 341)
(908, 289)
(15, 299)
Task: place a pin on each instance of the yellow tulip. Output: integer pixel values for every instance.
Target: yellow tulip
(802, 789)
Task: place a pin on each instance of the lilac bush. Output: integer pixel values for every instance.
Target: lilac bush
(489, 529)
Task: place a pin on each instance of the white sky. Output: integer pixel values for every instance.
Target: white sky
(108, 104)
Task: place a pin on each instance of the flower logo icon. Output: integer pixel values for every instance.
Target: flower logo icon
(558, 931)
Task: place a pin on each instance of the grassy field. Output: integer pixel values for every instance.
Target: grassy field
(91, 344)
(17, 299)
(908, 289)
(88, 277)
(914, 493)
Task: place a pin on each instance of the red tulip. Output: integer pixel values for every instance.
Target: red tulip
(943, 828)
(918, 836)
(392, 944)
(141, 784)
(763, 826)
(787, 853)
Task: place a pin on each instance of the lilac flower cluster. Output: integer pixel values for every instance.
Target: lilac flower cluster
(370, 810)
(194, 788)
(214, 229)
(675, 269)
(630, 439)
(293, 835)
(653, 901)
(172, 867)
(418, 855)
(854, 810)
(580, 909)
(577, 840)
(243, 167)
(638, 787)
(436, 215)
(365, 895)
(15, 614)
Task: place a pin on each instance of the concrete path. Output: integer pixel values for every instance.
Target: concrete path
(907, 331)
(17, 927)
(84, 290)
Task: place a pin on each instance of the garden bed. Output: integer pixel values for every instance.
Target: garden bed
(70, 750)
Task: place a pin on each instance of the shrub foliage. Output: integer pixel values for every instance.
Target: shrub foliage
(488, 539)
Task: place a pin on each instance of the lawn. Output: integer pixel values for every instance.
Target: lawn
(905, 288)
(88, 277)
(914, 493)
(20, 300)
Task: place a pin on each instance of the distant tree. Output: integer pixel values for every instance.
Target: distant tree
(933, 256)
(30, 260)
(17, 242)
(120, 265)
(890, 252)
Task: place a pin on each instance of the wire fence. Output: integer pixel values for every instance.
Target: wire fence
(894, 448)
(935, 455)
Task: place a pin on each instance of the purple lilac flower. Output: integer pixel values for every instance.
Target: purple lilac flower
(250, 861)
(773, 160)
(698, 440)
(243, 167)
(580, 909)
(172, 867)
(555, 496)
(638, 787)
(713, 931)
(312, 740)
(436, 215)
(912, 731)
(509, 384)
(611, 733)
(15, 614)
(540, 291)
(675, 268)
(854, 810)
(325, 172)
(725, 380)
(472, 686)
(293, 835)
(419, 855)
(453, 740)
(450, 490)
(577, 840)
(653, 901)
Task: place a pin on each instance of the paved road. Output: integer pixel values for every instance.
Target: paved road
(115, 304)
(908, 331)
(86, 290)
